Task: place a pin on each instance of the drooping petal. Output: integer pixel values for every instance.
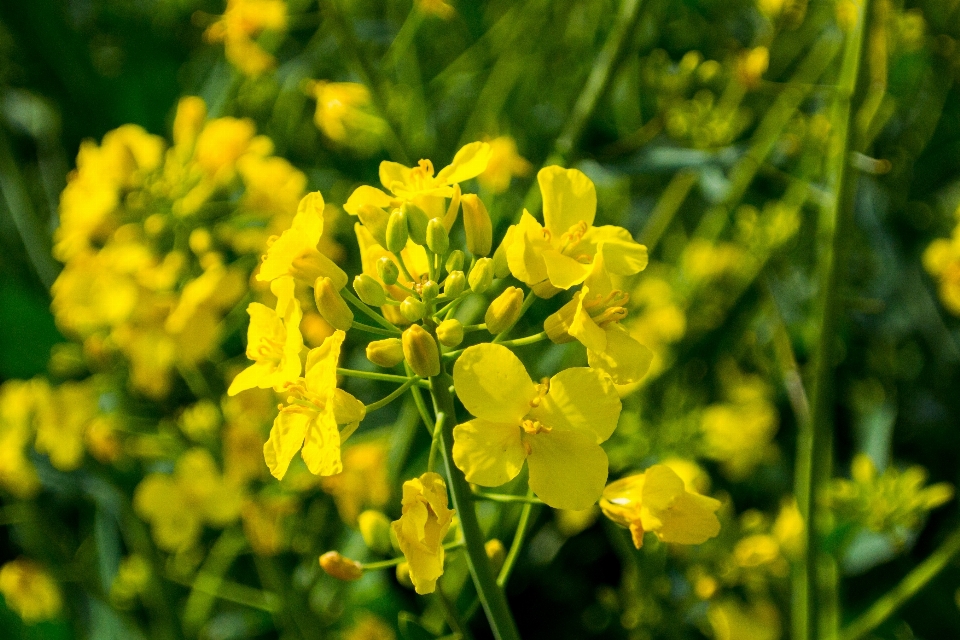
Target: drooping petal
(562, 270)
(392, 173)
(525, 251)
(286, 438)
(469, 162)
(569, 198)
(580, 399)
(264, 324)
(623, 257)
(365, 194)
(489, 453)
(493, 384)
(690, 520)
(625, 359)
(567, 468)
(308, 220)
(321, 369)
(661, 488)
(583, 328)
(253, 376)
(321, 444)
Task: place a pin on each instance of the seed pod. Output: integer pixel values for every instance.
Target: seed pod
(496, 554)
(396, 231)
(477, 224)
(412, 309)
(455, 283)
(438, 240)
(375, 528)
(330, 305)
(429, 290)
(504, 310)
(385, 353)
(421, 352)
(416, 222)
(388, 271)
(481, 275)
(341, 567)
(455, 261)
(369, 290)
(450, 332)
(375, 220)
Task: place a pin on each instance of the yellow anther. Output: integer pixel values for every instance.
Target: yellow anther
(534, 427)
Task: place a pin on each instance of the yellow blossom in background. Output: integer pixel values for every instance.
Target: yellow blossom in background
(656, 320)
(177, 506)
(419, 185)
(560, 253)
(363, 483)
(704, 261)
(64, 414)
(752, 65)
(556, 426)
(18, 403)
(238, 27)
(370, 627)
(505, 163)
(657, 501)
(733, 620)
(345, 113)
(264, 523)
(30, 591)
(422, 527)
(440, 8)
(942, 261)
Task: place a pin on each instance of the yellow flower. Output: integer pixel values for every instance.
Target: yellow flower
(242, 21)
(263, 523)
(64, 414)
(344, 113)
(556, 426)
(942, 261)
(560, 253)
(418, 184)
(504, 163)
(370, 627)
(414, 257)
(273, 342)
(309, 422)
(18, 402)
(739, 433)
(29, 590)
(657, 501)
(732, 620)
(593, 318)
(220, 144)
(294, 252)
(422, 527)
(363, 483)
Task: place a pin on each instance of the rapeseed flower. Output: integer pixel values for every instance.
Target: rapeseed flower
(556, 426)
(657, 501)
(345, 113)
(238, 27)
(363, 483)
(560, 253)
(422, 527)
(30, 591)
(505, 163)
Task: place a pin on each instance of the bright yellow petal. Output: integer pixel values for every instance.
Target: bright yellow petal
(264, 324)
(489, 453)
(321, 368)
(469, 162)
(691, 520)
(562, 270)
(569, 198)
(253, 376)
(524, 253)
(392, 173)
(583, 328)
(286, 438)
(661, 488)
(321, 444)
(625, 359)
(623, 257)
(580, 399)
(308, 220)
(493, 384)
(567, 468)
(367, 195)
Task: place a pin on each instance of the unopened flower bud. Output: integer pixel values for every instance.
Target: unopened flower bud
(396, 231)
(501, 268)
(455, 261)
(504, 310)
(421, 352)
(341, 567)
(375, 529)
(477, 224)
(330, 305)
(412, 309)
(369, 290)
(496, 554)
(450, 332)
(187, 124)
(375, 220)
(481, 275)
(416, 222)
(388, 271)
(429, 290)
(438, 240)
(403, 575)
(385, 353)
(455, 283)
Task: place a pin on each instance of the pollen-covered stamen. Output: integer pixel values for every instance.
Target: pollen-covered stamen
(268, 348)
(534, 427)
(542, 389)
(422, 174)
(608, 308)
(573, 235)
(609, 315)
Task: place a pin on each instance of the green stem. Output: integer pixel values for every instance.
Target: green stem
(519, 342)
(404, 271)
(502, 497)
(392, 562)
(906, 589)
(366, 310)
(518, 538)
(377, 331)
(435, 443)
(379, 404)
(491, 595)
(386, 377)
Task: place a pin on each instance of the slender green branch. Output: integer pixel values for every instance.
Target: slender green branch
(392, 562)
(914, 581)
(386, 377)
(474, 327)
(505, 498)
(379, 404)
(519, 342)
(366, 310)
(377, 331)
(421, 405)
(404, 271)
(435, 443)
(518, 539)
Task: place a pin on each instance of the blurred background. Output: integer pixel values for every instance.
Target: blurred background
(135, 501)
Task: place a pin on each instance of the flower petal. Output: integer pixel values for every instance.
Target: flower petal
(391, 173)
(489, 453)
(691, 520)
(569, 198)
(625, 359)
(524, 251)
(366, 195)
(469, 162)
(321, 369)
(580, 399)
(286, 438)
(253, 376)
(563, 271)
(583, 328)
(493, 384)
(567, 468)
(321, 444)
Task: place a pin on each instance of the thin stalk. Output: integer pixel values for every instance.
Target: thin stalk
(366, 310)
(421, 405)
(232, 592)
(379, 404)
(207, 584)
(377, 331)
(491, 595)
(814, 445)
(518, 538)
(435, 443)
(667, 206)
(386, 377)
(392, 562)
(519, 342)
(506, 498)
(914, 581)
(404, 271)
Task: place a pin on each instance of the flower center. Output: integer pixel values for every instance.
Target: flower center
(607, 309)
(422, 175)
